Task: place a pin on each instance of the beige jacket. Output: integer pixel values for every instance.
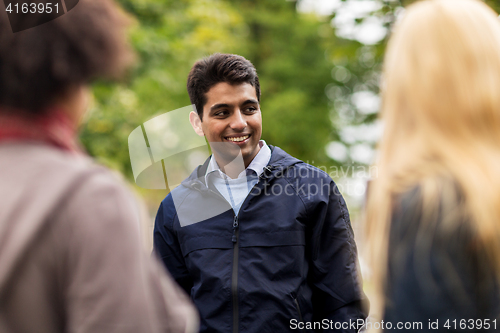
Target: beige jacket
(71, 258)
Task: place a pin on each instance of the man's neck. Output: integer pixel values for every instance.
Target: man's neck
(233, 168)
(232, 172)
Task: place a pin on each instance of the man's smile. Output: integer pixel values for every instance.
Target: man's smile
(238, 139)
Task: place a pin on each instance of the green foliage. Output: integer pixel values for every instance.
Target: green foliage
(309, 75)
(363, 62)
(169, 36)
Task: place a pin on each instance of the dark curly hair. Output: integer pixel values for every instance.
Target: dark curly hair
(39, 64)
(219, 67)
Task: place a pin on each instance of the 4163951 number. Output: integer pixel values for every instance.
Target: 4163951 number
(471, 324)
(33, 8)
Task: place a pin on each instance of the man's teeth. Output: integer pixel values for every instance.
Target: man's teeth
(238, 139)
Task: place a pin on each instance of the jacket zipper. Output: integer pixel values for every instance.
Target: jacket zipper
(235, 240)
(236, 249)
(234, 278)
(234, 275)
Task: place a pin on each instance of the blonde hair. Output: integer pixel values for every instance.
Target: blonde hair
(441, 114)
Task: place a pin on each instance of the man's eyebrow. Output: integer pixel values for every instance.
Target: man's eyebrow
(223, 105)
(218, 106)
(250, 101)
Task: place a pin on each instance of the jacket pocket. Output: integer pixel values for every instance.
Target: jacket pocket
(204, 242)
(272, 239)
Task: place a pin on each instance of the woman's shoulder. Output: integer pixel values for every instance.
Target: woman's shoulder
(35, 158)
(35, 170)
(435, 262)
(439, 206)
(24, 160)
(435, 221)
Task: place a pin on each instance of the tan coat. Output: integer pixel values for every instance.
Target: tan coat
(71, 258)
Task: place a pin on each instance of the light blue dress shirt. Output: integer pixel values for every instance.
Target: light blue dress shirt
(236, 190)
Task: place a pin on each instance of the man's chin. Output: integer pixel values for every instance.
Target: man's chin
(225, 152)
(228, 151)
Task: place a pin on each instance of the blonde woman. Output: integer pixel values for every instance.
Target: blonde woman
(434, 211)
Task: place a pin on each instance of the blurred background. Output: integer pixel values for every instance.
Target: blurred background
(319, 64)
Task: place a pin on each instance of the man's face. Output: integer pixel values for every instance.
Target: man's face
(232, 121)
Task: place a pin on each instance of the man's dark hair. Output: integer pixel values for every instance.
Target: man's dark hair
(219, 67)
(39, 64)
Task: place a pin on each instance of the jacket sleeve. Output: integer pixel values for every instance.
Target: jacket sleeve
(167, 247)
(334, 276)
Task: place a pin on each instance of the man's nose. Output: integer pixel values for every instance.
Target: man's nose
(238, 121)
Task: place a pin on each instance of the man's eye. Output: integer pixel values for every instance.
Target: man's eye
(220, 113)
(251, 109)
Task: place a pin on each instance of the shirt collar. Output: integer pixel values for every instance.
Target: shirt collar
(257, 165)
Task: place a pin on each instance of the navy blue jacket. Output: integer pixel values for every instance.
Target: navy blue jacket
(289, 255)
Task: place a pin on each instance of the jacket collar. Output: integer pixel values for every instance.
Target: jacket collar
(279, 162)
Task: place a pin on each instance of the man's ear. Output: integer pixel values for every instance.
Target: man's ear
(195, 121)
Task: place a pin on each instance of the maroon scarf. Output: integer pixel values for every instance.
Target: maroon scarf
(54, 128)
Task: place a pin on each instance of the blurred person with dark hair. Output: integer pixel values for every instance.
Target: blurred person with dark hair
(260, 240)
(434, 211)
(71, 258)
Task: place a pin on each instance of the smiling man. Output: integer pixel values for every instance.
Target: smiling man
(233, 121)
(260, 240)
